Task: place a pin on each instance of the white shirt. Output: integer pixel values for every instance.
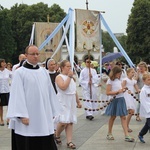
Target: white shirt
(5, 77)
(15, 67)
(115, 86)
(145, 101)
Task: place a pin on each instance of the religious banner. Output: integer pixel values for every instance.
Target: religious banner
(42, 31)
(88, 30)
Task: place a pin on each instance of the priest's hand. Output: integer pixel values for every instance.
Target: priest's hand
(90, 82)
(25, 121)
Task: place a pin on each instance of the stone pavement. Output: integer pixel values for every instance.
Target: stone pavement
(91, 135)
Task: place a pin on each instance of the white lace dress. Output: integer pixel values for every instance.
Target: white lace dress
(67, 99)
(130, 100)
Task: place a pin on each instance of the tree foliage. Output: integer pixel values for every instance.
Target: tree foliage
(16, 25)
(138, 30)
(7, 42)
(107, 42)
(123, 41)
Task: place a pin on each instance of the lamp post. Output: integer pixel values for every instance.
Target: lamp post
(87, 4)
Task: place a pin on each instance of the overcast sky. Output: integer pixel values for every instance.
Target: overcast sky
(116, 11)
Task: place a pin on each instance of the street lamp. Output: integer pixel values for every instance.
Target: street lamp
(87, 4)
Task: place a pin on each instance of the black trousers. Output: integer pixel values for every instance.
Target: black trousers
(13, 142)
(145, 128)
(20, 142)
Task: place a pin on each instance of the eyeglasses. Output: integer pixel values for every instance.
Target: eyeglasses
(33, 54)
(88, 62)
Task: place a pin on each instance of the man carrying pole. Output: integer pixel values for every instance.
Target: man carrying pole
(88, 80)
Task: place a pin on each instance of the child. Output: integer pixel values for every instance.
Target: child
(118, 106)
(145, 105)
(131, 85)
(103, 96)
(68, 98)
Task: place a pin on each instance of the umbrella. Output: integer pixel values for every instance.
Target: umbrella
(111, 57)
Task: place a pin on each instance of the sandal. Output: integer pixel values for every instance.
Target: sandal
(110, 137)
(129, 130)
(71, 145)
(138, 119)
(2, 124)
(58, 140)
(129, 139)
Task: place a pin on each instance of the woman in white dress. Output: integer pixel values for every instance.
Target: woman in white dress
(5, 79)
(66, 88)
(131, 86)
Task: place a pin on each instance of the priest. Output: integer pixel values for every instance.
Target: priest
(32, 106)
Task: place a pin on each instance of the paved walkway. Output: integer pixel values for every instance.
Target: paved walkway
(91, 135)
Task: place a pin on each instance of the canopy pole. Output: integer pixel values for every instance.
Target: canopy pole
(90, 78)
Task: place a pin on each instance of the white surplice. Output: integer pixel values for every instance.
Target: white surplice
(32, 96)
(84, 82)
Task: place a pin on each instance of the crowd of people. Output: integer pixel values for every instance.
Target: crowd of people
(42, 101)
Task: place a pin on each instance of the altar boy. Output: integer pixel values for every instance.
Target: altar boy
(145, 105)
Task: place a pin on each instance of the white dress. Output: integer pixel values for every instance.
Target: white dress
(103, 96)
(130, 101)
(67, 99)
(123, 75)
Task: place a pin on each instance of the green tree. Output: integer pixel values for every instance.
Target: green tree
(107, 42)
(56, 13)
(123, 41)
(7, 42)
(18, 21)
(138, 30)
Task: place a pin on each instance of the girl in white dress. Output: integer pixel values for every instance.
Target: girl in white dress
(66, 88)
(117, 107)
(131, 86)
